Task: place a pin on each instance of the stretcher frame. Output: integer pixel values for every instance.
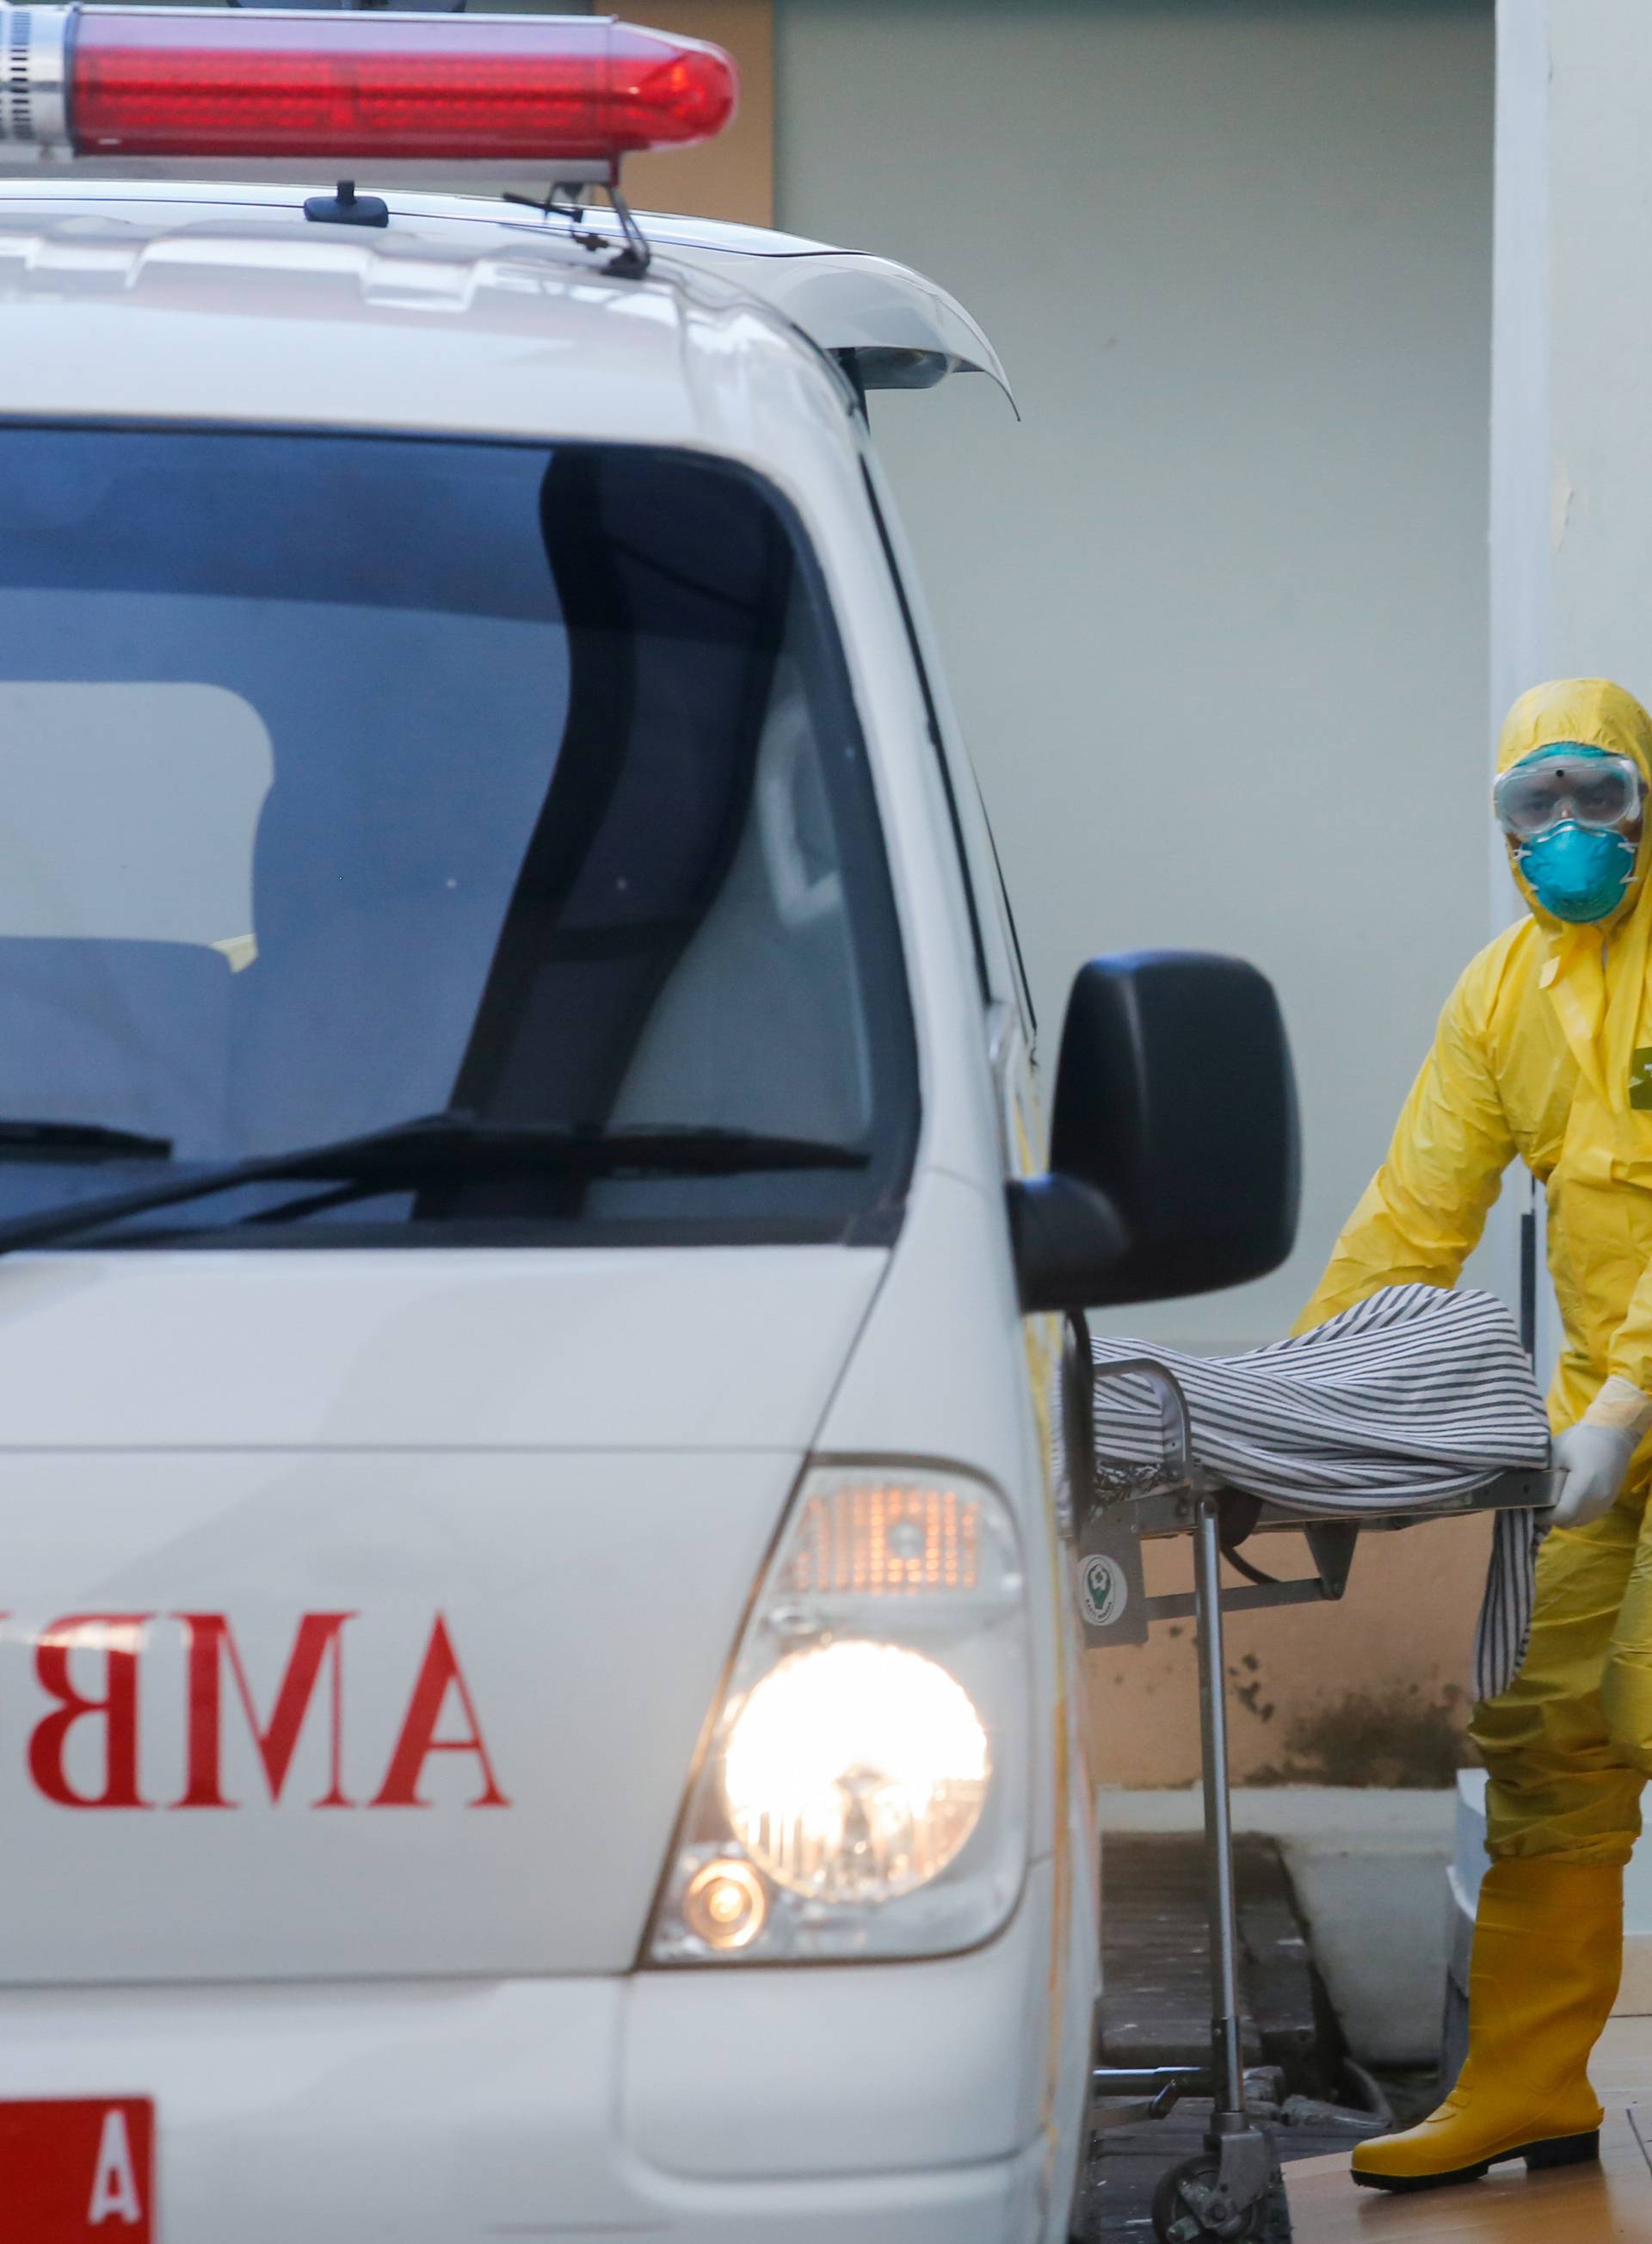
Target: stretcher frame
(1228, 2190)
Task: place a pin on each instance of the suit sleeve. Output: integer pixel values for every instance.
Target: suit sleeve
(1422, 1215)
(1631, 1356)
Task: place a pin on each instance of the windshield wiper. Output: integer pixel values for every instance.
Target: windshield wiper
(95, 1140)
(447, 1148)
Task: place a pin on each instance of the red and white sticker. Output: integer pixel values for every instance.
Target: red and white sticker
(76, 2169)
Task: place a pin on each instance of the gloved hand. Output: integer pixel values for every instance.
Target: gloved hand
(1595, 1460)
(1595, 1454)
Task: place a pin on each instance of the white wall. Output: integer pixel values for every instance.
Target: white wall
(1215, 613)
(1585, 445)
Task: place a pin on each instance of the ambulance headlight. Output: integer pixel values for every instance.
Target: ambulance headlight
(855, 1772)
(869, 1765)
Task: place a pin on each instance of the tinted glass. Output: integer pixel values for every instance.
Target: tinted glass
(346, 779)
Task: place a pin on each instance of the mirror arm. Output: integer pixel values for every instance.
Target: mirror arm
(1065, 1234)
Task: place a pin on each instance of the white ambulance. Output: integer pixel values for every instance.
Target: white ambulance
(538, 1693)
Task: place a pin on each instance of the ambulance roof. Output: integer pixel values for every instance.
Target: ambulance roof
(163, 296)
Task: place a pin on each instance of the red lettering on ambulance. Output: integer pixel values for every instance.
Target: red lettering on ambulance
(118, 1637)
(114, 2183)
(211, 1646)
(438, 1674)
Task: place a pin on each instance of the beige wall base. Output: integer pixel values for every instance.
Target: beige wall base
(1374, 1690)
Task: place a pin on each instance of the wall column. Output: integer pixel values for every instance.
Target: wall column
(1571, 508)
(1571, 492)
(1572, 354)
(1572, 364)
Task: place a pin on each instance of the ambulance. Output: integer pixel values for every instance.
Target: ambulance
(542, 1386)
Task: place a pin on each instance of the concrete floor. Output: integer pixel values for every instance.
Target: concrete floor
(1607, 2204)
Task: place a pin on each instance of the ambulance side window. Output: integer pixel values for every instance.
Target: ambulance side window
(937, 741)
(998, 950)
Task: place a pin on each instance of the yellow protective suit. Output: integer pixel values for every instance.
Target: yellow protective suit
(1545, 1051)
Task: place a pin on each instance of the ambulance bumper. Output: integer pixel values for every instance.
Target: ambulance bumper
(899, 2103)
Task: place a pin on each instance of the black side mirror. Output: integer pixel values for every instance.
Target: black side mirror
(1173, 1151)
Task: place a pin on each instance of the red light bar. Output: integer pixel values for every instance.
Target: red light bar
(135, 81)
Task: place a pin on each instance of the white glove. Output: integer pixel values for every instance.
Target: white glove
(1595, 1454)
(1595, 1460)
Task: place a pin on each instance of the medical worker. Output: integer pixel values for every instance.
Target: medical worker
(1545, 1051)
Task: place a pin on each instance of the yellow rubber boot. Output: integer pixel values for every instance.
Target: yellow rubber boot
(1548, 1948)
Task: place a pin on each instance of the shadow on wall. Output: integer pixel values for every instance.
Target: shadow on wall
(1398, 1738)
(1371, 1691)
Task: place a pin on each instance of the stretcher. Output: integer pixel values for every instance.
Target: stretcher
(1231, 2189)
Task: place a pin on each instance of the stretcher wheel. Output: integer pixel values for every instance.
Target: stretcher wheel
(1183, 2212)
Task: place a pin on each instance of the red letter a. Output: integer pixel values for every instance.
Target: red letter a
(118, 1636)
(439, 1674)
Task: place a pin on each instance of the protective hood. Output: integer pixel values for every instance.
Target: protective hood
(1596, 975)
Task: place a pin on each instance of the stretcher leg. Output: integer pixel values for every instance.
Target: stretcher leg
(1233, 2189)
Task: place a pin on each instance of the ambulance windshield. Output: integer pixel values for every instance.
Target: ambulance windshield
(347, 778)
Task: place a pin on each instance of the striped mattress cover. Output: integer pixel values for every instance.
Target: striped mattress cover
(1413, 1397)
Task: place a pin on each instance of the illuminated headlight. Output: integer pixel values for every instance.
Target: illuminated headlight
(864, 1791)
(856, 1772)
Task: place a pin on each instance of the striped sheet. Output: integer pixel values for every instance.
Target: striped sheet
(1408, 1398)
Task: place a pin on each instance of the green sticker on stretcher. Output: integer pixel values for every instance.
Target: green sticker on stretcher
(1112, 1606)
(1106, 1592)
(1641, 1079)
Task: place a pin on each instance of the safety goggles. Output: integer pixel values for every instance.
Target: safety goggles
(1567, 784)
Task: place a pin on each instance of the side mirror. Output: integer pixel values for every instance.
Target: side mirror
(1174, 1152)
